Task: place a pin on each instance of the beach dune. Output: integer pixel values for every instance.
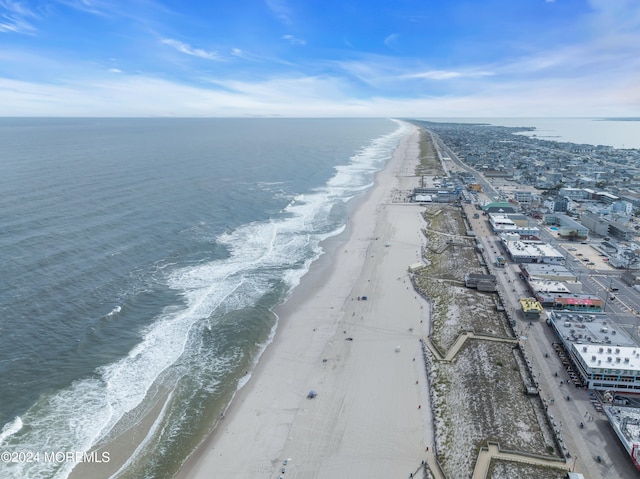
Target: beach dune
(370, 417)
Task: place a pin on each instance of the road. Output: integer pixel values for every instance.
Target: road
(596, 438)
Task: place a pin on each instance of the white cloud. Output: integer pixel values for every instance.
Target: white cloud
(95, 7)
(280, 9)
(115, 70)
(391, 40)
(13, 18)
(189, 50)
(447, 75)
(293, 40)
(323, 96)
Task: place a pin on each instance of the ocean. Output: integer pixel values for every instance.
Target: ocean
(142, 259)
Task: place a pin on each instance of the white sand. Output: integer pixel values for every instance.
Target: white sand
(365, 420)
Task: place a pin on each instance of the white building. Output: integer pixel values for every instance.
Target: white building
(527, 251)
(601, 353)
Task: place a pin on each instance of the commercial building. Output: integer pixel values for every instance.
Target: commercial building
(585, 303)
(481, 282)
(503, 224)
(435, 194)
(547, 291)
(602, 354)
(499, 207)
(625, 421)
(531, 308)
(532, 251)
(552, 272)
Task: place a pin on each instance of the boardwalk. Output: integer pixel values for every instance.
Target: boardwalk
(492, 451)
(459, 342)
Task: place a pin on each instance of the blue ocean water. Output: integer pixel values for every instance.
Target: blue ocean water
(142, 258)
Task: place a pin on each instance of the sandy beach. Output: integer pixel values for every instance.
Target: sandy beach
(363, 358)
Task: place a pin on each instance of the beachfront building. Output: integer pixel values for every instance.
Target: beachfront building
(546, 291)
(625, 421)
(531, 251)
(435, 194)
(503, 224)
(548, 282)
(531, 308)
(602, 355)
(500, 261)
(585, 303)
(552, 272)
(499, 207)
(481, 282)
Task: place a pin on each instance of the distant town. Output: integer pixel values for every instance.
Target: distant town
(583, 188)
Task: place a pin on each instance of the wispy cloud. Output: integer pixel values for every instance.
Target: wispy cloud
(13, 18)
(280, 9)
(138, 95)
(294, 40)
(189, 50)
(95, 7)
(447, 75)
(391, 40)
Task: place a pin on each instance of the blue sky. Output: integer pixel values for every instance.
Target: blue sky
(371, 58)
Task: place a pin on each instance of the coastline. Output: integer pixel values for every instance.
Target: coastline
(370, 417)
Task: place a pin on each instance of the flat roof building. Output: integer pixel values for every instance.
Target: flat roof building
(567, 227)
(531, 251)
(602, 354)
(553, 272)
(579, 302)
(481, 282)
(625, 422)
(531, 308)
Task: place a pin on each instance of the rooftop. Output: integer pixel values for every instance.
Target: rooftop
(593, 329)
(533, 249)
(626, 423)
(609, 358)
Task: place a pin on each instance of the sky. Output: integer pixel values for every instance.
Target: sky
(320, 58)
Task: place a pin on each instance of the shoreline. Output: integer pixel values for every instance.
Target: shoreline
(371, 420)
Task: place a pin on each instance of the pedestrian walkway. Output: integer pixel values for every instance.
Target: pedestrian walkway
(434, 466)
(459, 342)
(492, 451)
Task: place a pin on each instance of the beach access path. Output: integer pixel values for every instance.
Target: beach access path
(371, 416)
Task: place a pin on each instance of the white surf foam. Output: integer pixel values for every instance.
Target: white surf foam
(11, 428)
(261, 254)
